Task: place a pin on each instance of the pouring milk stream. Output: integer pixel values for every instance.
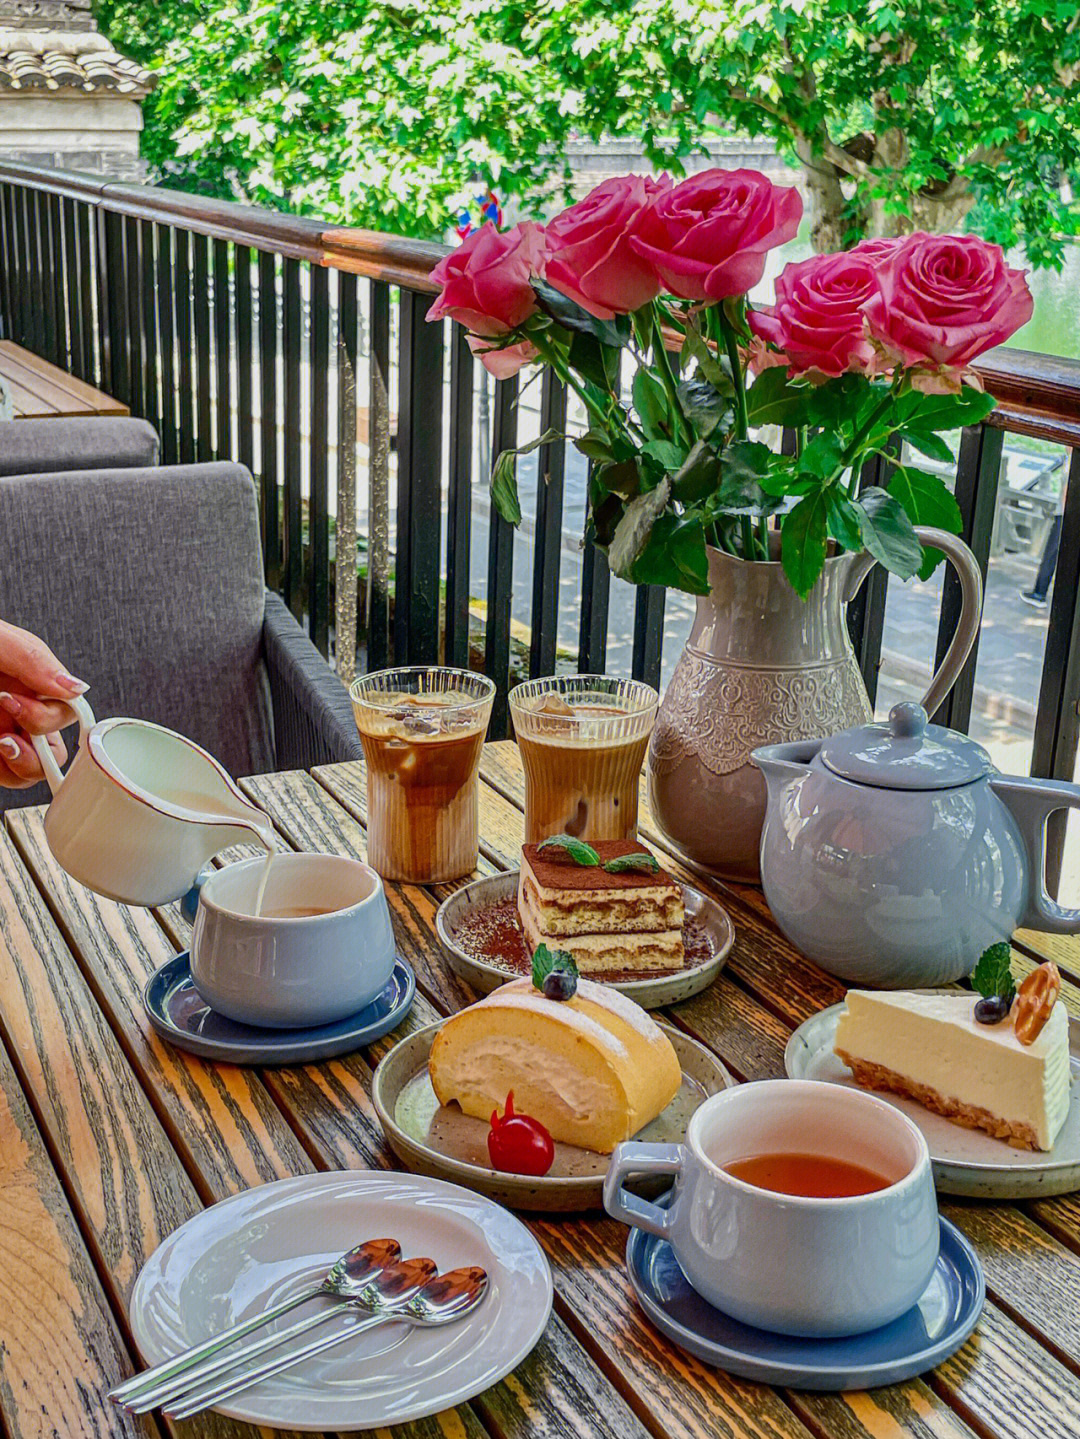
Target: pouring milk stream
(141, 810)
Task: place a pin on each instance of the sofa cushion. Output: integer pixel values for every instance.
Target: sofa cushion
(36, 447)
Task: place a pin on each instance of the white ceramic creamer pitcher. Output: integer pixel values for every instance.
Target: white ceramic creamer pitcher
(141, 809)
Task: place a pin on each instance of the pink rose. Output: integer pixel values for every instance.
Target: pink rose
(588, 254)
(817, 319)
(878, 249)
(501, 363)
(485, 281)
(707, 237)
(944, 299)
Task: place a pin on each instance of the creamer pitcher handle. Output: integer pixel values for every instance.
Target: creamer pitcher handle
(1030, 802)
(53, 772)
(971, 587)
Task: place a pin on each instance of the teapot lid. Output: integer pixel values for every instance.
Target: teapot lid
(906, 752)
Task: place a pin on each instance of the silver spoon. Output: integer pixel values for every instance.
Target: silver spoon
(443, 1300)
(386, 1288)
(345, 1278)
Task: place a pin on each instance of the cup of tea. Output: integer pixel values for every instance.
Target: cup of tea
(422, 729)
(320, 949)
(799, 1207)
(582, 740)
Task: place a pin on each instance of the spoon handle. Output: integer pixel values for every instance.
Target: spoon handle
(132, 1388)
(225, 1389)
(233, 1358)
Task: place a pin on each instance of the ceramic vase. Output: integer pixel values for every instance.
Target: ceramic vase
(762, 666)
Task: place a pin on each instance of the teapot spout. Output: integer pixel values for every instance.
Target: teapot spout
(780, 763)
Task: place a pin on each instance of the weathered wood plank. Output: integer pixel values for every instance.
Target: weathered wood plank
(124, 1181)
(59, 1343)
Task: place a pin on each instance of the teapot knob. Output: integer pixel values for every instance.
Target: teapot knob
(907, 720)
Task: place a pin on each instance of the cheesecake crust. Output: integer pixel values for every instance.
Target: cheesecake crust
(970, 1116)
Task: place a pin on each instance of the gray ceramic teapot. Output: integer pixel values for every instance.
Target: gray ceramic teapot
(894, 854)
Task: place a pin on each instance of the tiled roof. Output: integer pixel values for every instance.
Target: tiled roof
(51, 60)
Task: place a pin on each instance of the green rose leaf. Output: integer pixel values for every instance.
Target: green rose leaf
(887, 532)
(823, 456)
(667, 455)
(594, 361)
(504, 488)
(633, 530)
(916, 411)
(713, 368)
(843, 520)
(651, 405)
(642, 860)
(545, 439)
(571, 316)
(993, 973)
(773, 400)
(674, 555)
(929, 444)
(705, 407)
(545, 960)
(927, 500)
(580, 852)
(698, 475)
(743, 467)
(594, 445)
(803, 540)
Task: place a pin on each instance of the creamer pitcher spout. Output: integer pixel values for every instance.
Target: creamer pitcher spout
(780, 763)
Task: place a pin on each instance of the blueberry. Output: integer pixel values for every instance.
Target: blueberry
(992, 1010)
(560, 984)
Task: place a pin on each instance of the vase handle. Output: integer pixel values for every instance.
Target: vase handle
(971, 588)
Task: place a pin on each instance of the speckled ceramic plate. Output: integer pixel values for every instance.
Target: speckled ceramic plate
(966, 1161)
(446, 1144)
(650, 992)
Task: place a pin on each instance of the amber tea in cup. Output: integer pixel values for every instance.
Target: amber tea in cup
(582, 740)
(422, 730)
(813, 1176)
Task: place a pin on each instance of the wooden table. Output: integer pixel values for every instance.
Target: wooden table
(41, 391)
(109, 1139)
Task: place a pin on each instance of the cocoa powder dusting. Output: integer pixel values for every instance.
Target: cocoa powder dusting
(492, 932)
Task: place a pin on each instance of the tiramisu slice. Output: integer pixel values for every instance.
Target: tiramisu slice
(629, 919)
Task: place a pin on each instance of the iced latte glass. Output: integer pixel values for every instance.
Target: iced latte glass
(582, 740)
(422, 730)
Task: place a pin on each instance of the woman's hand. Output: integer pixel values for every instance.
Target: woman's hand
(34, 688)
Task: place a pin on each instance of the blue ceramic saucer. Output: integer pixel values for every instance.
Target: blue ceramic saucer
(180, 1014)
(920, 1339)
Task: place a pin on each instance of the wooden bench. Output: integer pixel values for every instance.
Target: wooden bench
(40, 390)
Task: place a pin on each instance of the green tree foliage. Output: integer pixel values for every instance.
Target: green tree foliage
(902, 113)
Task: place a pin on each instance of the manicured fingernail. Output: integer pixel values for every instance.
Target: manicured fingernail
(70, 683)
(10, 703)
(10, 747)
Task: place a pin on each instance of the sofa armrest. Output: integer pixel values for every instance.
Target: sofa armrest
(313, 718)
(39, 447)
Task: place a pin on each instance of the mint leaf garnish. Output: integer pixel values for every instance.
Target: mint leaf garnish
(993, 973)
(641, 859)
(580, 852)
(545, 960)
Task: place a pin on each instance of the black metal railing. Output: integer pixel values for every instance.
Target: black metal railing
(245, 334)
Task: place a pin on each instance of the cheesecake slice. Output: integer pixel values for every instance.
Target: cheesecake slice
(632, 920)
(929, 1047)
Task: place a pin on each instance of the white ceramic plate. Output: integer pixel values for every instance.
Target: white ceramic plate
(650, 991)
(260, 1246)
(966, 1161)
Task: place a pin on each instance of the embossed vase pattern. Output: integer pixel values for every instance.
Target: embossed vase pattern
(760, 667)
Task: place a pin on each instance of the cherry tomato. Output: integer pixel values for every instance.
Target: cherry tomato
(519, 1144)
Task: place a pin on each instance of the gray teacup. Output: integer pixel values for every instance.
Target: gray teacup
(815, 1267)
(288, 971)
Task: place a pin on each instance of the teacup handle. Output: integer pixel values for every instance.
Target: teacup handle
(635, 1161)
(53, 773)
(967, 627)
(189, 903)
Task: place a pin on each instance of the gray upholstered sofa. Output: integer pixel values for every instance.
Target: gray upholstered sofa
(36, 447)
(148, 584)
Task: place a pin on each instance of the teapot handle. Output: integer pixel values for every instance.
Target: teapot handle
(53, 772)
(1030, 801)
(971, 587)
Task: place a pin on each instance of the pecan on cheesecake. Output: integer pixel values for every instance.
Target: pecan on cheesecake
(629, 920)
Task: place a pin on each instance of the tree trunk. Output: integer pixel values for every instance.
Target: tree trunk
(827, 201)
